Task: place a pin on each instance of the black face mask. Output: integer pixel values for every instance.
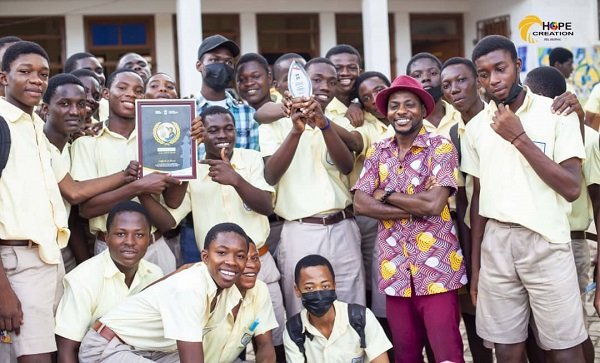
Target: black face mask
(514, 92)
(217, 76)
(436, 93)
(318, 302)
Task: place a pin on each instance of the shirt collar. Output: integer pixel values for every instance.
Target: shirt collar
(110, 269)
(336, 108)
(116, 135)
(12, 113)
(419, 141)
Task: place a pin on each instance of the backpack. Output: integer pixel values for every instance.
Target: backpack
(5, 142)
(356, 316)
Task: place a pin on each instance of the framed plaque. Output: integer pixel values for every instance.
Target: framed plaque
(164, 141)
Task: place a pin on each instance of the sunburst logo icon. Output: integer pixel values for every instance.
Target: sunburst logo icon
(524, 26)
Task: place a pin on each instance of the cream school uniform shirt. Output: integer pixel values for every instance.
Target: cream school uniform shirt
(343, 345)
(177, 308)
(225, 342)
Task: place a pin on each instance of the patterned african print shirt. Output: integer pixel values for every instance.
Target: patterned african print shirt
(424, 249)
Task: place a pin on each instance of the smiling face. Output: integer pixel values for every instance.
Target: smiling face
(220, 134)
(324, 82)
(226, 258)
(405, 112)
(124, 90)
(26, 81)
(497, 72)
(248, 278)
(66, 111)
(367, 91)
(136, 63)
(161, 86)
(128, 239)
(253, 83)
(92, 64)
(348, 69)
(93, 94)
(459, 87)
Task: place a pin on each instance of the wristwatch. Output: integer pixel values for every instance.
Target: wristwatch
(386, 195)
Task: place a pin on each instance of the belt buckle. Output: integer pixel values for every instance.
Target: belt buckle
(324, 220)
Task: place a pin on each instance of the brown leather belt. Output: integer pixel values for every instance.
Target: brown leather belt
(331, 219)
(105, 331)
(102, 236)
(578, 235)
(263, 250)
(18, 243)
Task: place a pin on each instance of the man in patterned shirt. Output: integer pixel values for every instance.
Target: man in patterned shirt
(405, 183)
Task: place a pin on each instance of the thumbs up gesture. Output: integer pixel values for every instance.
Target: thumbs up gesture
(221, 171)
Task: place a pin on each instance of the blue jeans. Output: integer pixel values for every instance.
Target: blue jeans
(189, 249)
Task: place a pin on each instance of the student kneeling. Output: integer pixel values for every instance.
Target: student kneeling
(167, 321)
(333, 334)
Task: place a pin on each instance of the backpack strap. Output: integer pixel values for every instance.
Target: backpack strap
(455, 140)
(5, 142)
(294, 328)
(357, 316)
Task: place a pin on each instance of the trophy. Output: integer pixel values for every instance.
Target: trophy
(299, 83)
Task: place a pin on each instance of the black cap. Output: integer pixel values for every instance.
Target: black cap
(217, 41)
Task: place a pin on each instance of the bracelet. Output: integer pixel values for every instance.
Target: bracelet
(386, 196)
(516, 137)
(326, 126)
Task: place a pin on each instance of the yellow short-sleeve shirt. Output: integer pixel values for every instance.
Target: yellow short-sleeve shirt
(593, 101)
(31, 205)
(212, 203)
(225, 342)
(343, 345)
(593, 167)
(312, 184)
(581, 209)
(511, 191)
(61, 165)
(371, 131)
(93, 288)
(451, 118)
(177, 308)
(335, 109)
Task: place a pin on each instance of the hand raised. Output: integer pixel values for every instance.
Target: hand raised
(132, 171)
(221, 171)
(155, 183)
(506, 123)
(198, 130)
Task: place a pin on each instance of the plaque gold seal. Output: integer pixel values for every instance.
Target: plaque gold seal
(166, 133)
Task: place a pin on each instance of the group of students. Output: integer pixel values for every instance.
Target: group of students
(398, 196)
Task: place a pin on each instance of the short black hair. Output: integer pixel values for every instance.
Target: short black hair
(127, 206)
(71, 62)
(366, 75)
(560, 55)
(216, 110)
(114, 74)
(80, 73)
(546, 81)
(491, 43)
(8, 40)
(14, 51)
(423, 55)
(252, 57)
(58, 80)
(212, 233)
(318, 60)
(285, 57)
(460, 60)
(310, 261)
(343, 49)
